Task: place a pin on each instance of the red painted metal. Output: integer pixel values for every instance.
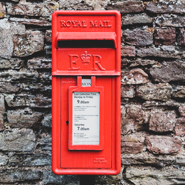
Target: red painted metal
(69, 66)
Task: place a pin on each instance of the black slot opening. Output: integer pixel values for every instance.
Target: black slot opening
(86, 44)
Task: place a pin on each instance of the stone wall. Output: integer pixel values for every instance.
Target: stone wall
(152, 91)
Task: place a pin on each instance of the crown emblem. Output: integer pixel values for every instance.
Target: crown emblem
(85, 58)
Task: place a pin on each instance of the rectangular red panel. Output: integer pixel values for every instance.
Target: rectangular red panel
(86, 138)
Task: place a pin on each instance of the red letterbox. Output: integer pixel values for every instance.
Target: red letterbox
(86, 92)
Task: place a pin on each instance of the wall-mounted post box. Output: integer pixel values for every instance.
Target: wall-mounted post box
(86, 92)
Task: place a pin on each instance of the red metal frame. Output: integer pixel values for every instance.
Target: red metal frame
(93, 88)
(64, 82)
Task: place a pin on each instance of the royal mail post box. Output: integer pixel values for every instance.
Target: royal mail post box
(86, 92)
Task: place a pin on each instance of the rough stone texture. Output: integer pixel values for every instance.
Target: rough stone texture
(181, 37)
(7, 30)
(149, 91)
(127, 91)
(35, 22)
(132, 144)
(28, 43)
(35, 87)
(22, 140)
(135, 112)
(178, 92)
(180, 127)
(83, 5)
(178, 8)
(163, 144)
(147, 158)
(133, 120)
(2, 10)
(170, 71)
(38, 101)
(152, 91)
(44, 9)
(19, 175)
(23, 118)
(30, 160)
(13, 63)
(3, 159)
(6, 87)
(46, 122)
(2, 105)
(39, 63)
(138, 37)
(164, 176)
(14, 76)
(45, 77)
(136, 19)
(139, 62)
(2, 111)
(171, 104)
(1, 121)
(127, 6)
(162, 52)
(51, 178)
(161, 121)
(135, 76)
(44, 143)
(48, 36)
(166, 36)
(129, 126)
(128, 51)
(182, 110)
(171, 20)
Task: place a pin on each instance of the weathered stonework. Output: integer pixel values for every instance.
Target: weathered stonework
(152, 91)
(161, 121)
(166, 36)
(158, 8)
(23, 118)
(20, 140)
(181, 37)
(13, 63)
(39, 63)
(162, 52)
(28, 43)
(139, 62)
(2, 111)
(163, 144)
(136, 19)
(170, 71)
(48, 36)
(138, 37)
(182, 110)
(7, 30)
(14, 76)
(180, 127)
(170, 20)
(2, 10)
(19, 176)
(127, 91)
(143, 175)
(134, 76)
(128, 51)
(149, 91)
(132, 144)
(178, 92)
(44, 9)
(127, 6)
(24, 100)
(34, 22)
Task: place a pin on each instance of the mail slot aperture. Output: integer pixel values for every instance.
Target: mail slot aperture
(86, 92)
